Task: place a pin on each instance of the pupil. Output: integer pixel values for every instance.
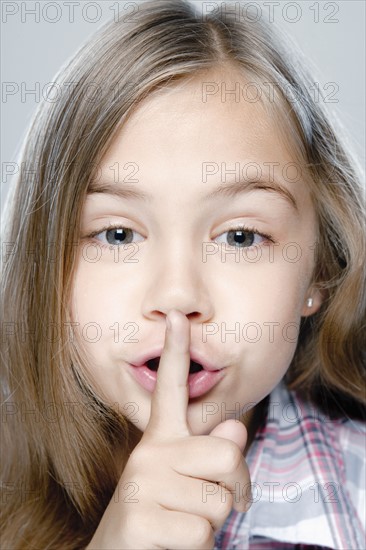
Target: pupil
(118, 235)
(242, 237)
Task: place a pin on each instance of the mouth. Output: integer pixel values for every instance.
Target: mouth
(202, 377)
(153, 365)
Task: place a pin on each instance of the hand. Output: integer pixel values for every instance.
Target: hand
(171, 468)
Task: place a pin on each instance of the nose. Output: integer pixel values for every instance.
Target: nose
(178, 282)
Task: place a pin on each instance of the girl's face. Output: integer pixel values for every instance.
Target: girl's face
(244, 292)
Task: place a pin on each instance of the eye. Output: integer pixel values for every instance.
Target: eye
(114, 235)
(245, 237)
(238, 237)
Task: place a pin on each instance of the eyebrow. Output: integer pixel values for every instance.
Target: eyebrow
(230, 189)
(115, 189)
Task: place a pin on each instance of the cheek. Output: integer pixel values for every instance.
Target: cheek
(95, 312)
(98, 296)
(264, 307)
(278, 313)
(261, 293)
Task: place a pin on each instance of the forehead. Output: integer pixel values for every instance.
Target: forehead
(215, 112)
(182, 135)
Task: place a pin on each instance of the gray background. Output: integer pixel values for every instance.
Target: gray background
(33, 48)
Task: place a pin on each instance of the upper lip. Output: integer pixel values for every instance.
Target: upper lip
(195, 354)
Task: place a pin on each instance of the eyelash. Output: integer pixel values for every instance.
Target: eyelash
(247, 229)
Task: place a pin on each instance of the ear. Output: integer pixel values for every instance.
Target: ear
(313, 300)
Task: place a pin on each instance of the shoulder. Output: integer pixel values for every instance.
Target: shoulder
(308, 480)
(336, 451)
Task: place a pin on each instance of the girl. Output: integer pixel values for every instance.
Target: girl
(183, 289)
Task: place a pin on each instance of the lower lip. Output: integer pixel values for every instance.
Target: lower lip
(199, 382)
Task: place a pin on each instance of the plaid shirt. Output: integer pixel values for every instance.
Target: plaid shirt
(308, 482)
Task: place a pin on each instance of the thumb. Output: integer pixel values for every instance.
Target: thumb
(233, 430)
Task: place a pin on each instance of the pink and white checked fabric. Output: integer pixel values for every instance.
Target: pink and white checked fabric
(308, 482)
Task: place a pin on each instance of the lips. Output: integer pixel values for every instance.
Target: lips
(203, 374)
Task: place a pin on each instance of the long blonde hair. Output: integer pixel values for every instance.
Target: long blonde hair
(58, 468)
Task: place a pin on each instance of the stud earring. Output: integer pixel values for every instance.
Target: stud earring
(309, 302)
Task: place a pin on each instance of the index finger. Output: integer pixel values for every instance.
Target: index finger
(170, 398)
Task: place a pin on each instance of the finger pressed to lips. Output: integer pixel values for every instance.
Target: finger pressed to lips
(204, 466)
(169, 401)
